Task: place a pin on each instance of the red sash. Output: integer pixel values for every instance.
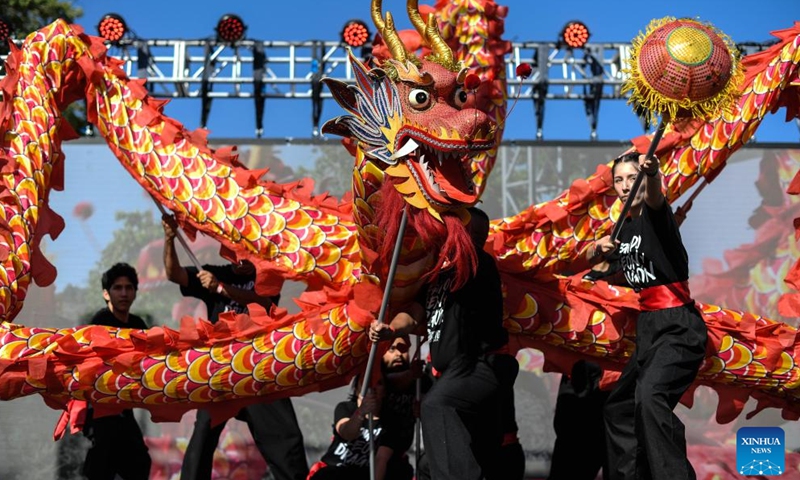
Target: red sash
(510, 439)
(665, 296)
(500, 351)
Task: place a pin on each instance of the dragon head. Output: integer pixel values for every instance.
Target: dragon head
(415, 120)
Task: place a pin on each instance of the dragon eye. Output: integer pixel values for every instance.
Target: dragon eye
(460, 97)
(419, 98)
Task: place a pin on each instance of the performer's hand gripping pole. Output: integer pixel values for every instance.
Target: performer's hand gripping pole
(662, 125)
(180, 238)
(373, 349)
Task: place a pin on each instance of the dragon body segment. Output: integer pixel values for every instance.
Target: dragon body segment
(165, 370)
(416, 132)
(301, 236)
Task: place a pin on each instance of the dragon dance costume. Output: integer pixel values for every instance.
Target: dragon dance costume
(273, 425)
(334, 245)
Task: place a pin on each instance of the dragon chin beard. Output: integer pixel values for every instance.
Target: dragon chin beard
(449, 240)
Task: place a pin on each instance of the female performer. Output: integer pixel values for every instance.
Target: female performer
(645, 439)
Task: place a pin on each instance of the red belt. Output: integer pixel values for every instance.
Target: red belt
(510, 439)
(500, 351)
(665, 296)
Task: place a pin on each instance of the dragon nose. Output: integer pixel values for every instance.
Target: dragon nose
(471, 122)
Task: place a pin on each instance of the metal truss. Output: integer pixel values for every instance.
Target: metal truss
(533, 172)
(207, 69)
(257, 70)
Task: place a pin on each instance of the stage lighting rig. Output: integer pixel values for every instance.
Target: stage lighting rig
(355, 34)
(575, 34)
(5, 30)
(230, 28)
(112, 27)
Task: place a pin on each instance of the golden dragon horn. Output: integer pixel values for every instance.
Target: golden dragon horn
(377, 16)
(389, 34)
(412, 6)
(430, 33)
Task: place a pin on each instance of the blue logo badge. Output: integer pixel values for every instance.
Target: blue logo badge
(760, 451)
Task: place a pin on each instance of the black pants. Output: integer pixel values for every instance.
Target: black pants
(461, 421)
(579, 425)
(118, 448)
(645, 439)
(509, 464)
(275, 432)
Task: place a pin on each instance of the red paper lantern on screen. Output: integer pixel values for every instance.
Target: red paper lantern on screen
(83, 210)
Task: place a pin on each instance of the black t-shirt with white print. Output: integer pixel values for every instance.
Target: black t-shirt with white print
(651, 251)
(354, 453)
(468, 322)
(216, 303)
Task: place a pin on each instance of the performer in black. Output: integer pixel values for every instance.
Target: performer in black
(644, 437)
(510, 463)
(118, 447)
(400, 375)
(461, 414)
(392, 431)
(579, 425)
(273, 425)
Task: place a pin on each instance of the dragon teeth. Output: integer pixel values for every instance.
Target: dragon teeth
(409, 147)
(429, 173)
